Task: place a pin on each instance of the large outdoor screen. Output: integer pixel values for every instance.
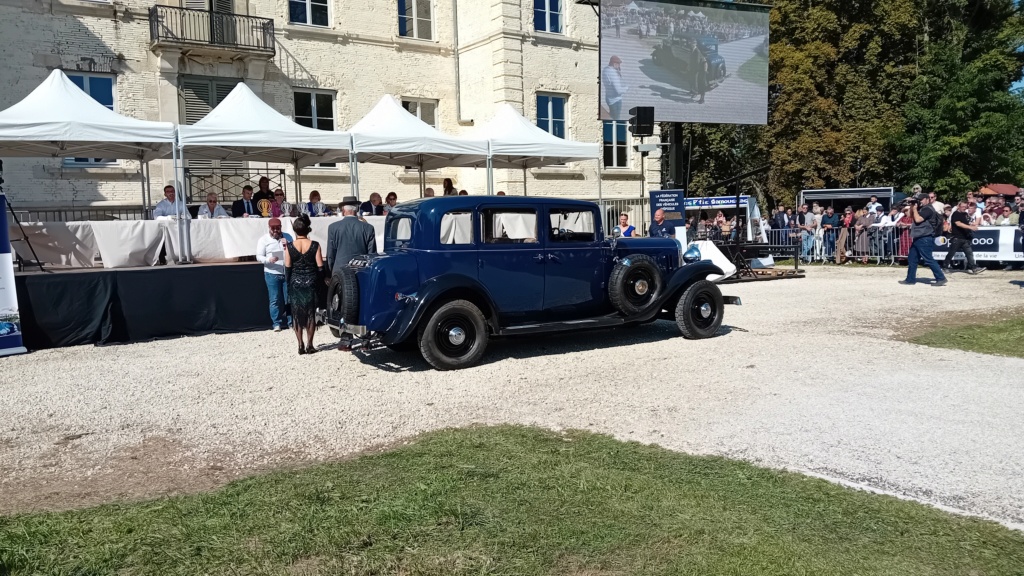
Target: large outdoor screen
(693, 60)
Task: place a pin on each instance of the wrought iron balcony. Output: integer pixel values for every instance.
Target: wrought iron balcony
(206, 29)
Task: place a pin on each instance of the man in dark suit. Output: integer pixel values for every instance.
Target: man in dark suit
(781, 220)
(245, 207)
(349, 237)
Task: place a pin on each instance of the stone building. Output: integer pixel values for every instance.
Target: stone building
(324, 63)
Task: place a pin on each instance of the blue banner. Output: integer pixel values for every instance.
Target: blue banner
(10, 321)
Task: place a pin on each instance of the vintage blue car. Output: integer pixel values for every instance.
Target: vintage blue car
(459, 270)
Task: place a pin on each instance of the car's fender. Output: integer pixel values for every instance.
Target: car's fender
(457, 286)
(685, 275)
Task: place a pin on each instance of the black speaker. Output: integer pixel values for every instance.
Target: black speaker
(641, 121)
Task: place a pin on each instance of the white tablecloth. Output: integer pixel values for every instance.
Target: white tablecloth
(122, 244)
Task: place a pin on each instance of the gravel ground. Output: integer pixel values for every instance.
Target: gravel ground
(807, 375)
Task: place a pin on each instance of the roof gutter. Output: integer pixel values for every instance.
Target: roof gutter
(458, 79)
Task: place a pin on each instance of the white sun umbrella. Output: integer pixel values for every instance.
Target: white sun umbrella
(389, 134)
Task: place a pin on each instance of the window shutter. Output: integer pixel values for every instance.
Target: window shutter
(196, 99)
(196, 4)
(224, 6)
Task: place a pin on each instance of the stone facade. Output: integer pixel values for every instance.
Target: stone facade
(357, 57)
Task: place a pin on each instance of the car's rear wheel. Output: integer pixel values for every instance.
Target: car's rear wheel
(700, 310)
(455, 336)
(635, 284)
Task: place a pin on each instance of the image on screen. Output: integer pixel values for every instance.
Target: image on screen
(693, 60)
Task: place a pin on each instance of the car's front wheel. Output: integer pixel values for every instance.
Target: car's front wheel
(700, 310)
(455, 336)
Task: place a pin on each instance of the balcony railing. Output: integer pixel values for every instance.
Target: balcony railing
(170, 25)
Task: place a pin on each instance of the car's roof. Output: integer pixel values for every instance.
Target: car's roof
(447, 203)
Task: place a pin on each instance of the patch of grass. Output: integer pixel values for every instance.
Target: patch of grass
(1005, 338)
(754, 70)
(515, 501)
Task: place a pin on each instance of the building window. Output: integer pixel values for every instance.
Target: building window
(312, 12)
(101, 88)
(551, 113)
(425, 110)
(616, 145)
(547, 16)
(414, 19)
(315, 110)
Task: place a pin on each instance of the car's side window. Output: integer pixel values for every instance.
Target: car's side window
(400, 229)
(571, 225)
(509, 226)
(457, 228)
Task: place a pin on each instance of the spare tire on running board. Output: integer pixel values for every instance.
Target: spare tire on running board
(635, 284)
(343, 296)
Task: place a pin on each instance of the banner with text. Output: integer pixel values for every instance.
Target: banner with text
(10, 322)
(1002, 244)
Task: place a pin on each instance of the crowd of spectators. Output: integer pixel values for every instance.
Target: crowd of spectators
(857, 233)
(649, 22)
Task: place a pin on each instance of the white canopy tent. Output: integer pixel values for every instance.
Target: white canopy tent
(389, 134)
(515, 142)
(244, 127)
(59, 120)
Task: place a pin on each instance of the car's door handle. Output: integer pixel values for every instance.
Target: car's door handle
(538, 257)
(552, 257)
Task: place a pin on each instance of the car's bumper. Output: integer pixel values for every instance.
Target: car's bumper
(734, 300)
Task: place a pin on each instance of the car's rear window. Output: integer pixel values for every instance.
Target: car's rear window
(509, 226)
(399, 229)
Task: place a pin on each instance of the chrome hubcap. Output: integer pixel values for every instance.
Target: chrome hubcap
(642, 287)
(456, 336)
(705, 310)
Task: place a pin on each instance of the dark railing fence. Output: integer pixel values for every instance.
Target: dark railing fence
(91, 213)
(227, 182)
(208, 28)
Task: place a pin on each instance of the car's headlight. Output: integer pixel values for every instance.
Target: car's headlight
(691, 255)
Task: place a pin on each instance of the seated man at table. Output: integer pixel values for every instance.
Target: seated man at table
(212, 209)
(245, 207)
(167, 208)
(372, 207)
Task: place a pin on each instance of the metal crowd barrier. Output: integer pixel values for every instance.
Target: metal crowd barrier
(884, 245)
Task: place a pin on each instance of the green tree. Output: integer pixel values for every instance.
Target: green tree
(962, 124)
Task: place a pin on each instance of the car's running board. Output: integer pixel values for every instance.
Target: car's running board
(585, 324)
(735, 300)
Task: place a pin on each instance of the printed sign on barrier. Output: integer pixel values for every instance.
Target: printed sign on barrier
(999, 244)
(10, 321)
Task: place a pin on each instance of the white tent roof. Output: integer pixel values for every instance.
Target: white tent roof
(632, 6)
(58, 119)
(388, 134)
(517, 142)
(243, 127)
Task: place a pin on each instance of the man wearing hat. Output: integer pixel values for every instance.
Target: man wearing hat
(270, 251)
(611, 78)
(349, 237)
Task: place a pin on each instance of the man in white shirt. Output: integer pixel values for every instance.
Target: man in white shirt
(939, 207)
(614, 89)
(874, 206)
(270, 251)
(167, 207)
(212, 209)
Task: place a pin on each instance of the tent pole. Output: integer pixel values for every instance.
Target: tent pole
(355, 176)
(600, 196)
(184, 222)
(490, 174)
(423, 179)
(298, 184)
(178, 194)
(524, 180)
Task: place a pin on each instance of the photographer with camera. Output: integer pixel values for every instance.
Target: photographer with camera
(926, 225)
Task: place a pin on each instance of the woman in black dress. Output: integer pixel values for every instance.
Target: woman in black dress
(303, 264)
